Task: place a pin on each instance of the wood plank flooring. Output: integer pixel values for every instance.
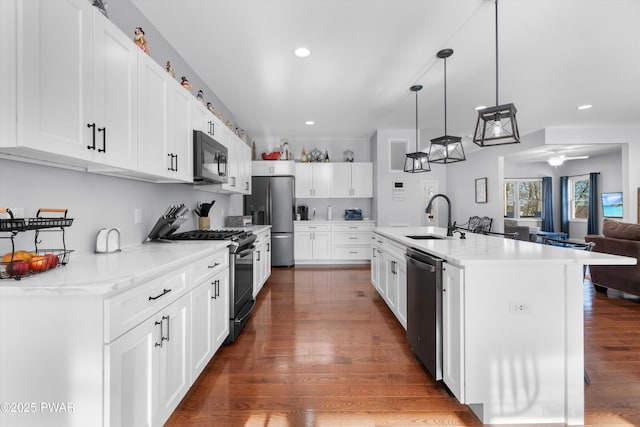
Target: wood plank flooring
(322, 349)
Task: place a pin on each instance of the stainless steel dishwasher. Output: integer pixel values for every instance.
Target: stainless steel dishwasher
(424, 309)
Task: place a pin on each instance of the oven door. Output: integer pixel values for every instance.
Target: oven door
(242, 280)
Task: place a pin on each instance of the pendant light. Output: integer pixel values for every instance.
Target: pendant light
(497, 125)
(447, 148)
(418, 161)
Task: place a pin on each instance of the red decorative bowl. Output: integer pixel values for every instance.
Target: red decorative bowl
(271, 156)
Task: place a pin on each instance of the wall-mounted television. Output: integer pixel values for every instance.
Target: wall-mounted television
(612, 205)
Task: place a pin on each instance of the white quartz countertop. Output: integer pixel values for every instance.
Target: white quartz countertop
(477, 248)
(338, 220)
(255, 229)
(105, 274)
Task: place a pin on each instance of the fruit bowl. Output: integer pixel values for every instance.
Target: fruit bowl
(21, 265)
(271, 156)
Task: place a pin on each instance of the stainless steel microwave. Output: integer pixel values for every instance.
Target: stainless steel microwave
(209, 159)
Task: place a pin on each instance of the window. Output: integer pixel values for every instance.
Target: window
(523, 198)
(579, 197)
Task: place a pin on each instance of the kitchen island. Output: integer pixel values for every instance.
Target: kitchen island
(513, 335)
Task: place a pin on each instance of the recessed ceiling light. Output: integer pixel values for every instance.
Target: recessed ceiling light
(309, 122)
(480, 107)
(302, 52)
(585, 107)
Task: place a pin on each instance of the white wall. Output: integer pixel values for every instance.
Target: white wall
(389, 211)
(96, 202)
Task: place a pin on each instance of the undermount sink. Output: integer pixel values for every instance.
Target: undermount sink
(425, 237)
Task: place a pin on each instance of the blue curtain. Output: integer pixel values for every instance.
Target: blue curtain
(564, 204)
(592, 219)
(547, 204)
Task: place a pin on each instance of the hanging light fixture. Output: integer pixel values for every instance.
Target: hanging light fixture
(497, 125)
(447, 148)
(418, 161)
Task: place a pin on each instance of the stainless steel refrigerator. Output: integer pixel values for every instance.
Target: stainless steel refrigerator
(272, 202)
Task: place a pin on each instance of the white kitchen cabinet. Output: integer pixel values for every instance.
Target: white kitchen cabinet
(312, 242)
(261, 260)
(238, 165)
(179, 134)
(391, 276)
(453, 330)
(203, 120)
(352, 180)
(245, 168)
(76, 87)
(201, 327)
(148, 368)
(313, 180)
(273, 167)
(351, 241)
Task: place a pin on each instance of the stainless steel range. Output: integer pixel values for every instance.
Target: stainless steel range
(241, 300)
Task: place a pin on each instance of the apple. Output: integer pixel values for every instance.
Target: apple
(53, 260)
(39, 263)
(17, 268)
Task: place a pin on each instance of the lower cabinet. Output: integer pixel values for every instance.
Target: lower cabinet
(389, 275)
(452, 327)
(312, 242)
(261, 260)
(149, 368)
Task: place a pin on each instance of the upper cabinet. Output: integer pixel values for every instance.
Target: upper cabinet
(75, 84)
(273, 168)
(333, 180)
(352, 180)
(313, 180)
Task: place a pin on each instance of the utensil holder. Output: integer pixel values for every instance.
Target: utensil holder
(203, 223)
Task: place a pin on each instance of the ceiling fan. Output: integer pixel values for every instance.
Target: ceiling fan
(557, 160)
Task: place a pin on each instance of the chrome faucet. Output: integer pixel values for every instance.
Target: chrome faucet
(450, 227)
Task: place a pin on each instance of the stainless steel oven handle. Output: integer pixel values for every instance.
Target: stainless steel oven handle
(246, 252)
(241, 319)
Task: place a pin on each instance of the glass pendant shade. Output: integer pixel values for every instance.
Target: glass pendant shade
(418, 161)
(446, 149)
(497, 126)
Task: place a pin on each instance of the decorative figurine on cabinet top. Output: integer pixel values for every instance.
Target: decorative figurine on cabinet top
(348, 156)
(200, 96)
(210, 107)
(229, 125)
(185, 83)
(139, 40)
(169, 68)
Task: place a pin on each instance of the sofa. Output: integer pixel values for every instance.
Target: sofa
(618, 238)
(524, 232)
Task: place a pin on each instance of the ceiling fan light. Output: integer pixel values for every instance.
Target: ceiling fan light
(497, 126)
(446, 149)
(556, 161)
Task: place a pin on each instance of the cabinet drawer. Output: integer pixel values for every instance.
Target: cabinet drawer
(209, 266)
(351, 253)
(126, 310)
(396, 249)
(311, 227)
(262, 237)
(353, 227)
(351, 238)
(377, 239)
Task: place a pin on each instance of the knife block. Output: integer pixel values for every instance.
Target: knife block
(203, 223)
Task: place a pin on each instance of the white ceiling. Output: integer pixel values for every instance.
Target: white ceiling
(554, 56)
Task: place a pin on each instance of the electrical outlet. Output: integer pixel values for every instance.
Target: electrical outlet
(520, 308)
(137, 216)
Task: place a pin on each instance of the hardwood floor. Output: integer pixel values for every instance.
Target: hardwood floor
(322, 349)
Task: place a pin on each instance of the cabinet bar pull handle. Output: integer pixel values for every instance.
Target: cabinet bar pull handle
(214, 265)
(170, 168)
(176, 169)
(269, 247)
(353, 252)
(161, 334)
(164, 292)
(104, 140)
(353, 238)
(258, 253)
(168, 319)
(215, 294)
(217, 288)
(93, 145)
